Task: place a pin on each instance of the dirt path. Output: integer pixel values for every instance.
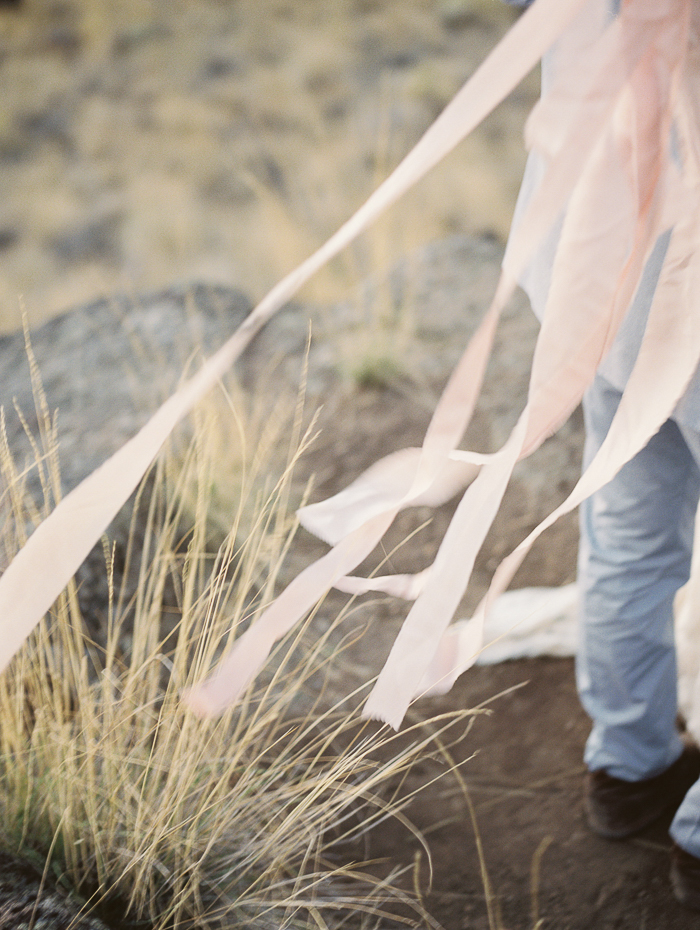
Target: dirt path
(525, 784)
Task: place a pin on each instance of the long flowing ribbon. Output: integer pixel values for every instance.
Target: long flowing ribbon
(595, 276)
(671, 344)
(609, 175)
(56, 549)
(587, 263)
(237, 670)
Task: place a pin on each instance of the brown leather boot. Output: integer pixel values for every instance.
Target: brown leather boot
(616, 809)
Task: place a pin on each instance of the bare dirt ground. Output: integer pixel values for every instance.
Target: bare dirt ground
(146, 142)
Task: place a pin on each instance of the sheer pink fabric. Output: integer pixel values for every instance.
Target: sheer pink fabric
(604, 132)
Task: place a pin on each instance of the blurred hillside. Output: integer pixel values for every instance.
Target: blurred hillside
(144, 142)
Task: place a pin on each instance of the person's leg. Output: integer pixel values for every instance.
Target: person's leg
(685, 829)
(636, 542)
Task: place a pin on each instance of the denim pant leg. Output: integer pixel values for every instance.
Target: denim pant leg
(636, 543)
(685, 828)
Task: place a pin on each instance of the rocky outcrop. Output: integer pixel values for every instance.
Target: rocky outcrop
(107, 365)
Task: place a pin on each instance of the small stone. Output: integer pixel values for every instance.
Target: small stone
(458, 14)
(8, 238)
(96, 240)
(221, 67)
(49, 125)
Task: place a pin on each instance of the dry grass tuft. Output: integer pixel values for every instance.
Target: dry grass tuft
(244, 821)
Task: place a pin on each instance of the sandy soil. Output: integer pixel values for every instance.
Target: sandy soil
(146, 142)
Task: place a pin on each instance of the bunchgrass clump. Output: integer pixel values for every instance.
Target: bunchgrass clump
(125, 795)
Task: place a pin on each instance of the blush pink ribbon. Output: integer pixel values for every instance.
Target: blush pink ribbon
(603, 129)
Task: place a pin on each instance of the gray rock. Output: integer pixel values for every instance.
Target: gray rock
(95, 240)
(105, 367)
(458, 14)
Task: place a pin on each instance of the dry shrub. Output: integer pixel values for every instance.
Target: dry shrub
(241, 821)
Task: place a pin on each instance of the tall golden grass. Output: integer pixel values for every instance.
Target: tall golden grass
(106, 778)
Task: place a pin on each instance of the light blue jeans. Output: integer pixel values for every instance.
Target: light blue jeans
(635, 552)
